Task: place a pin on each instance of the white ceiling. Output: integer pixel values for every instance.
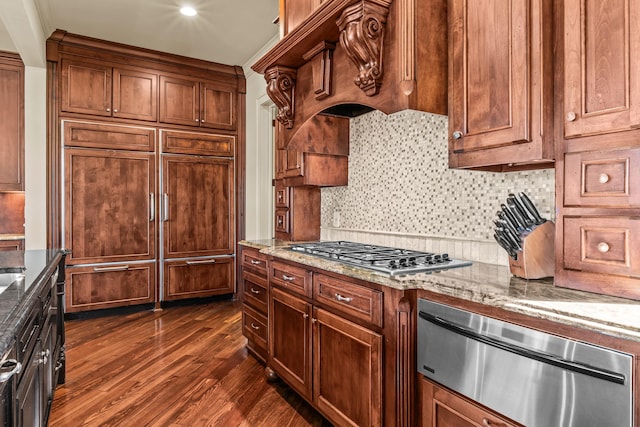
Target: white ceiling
(225, 31)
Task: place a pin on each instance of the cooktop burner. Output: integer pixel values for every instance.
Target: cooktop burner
(391, 261)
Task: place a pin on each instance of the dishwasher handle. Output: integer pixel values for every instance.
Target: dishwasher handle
(525, 352)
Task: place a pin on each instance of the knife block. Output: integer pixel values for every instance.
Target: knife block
(537, 257)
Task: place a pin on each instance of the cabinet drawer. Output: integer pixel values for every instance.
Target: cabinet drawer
(254, 327)
(355, 300)
(254, 260)
(607, 245)
(293, 278)
(610, 178)
(28, 334)
(108, 286)
(282, 220)
(197, 143)
(282, 196)
(255, 291)
(113, 137)
(198, 278)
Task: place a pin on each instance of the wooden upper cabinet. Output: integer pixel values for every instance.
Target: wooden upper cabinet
(98, 89)
(194, 103)
(197, 206)
(217, 106)
(500, 83)
(288, 163)
(11, 123)
(601, 66)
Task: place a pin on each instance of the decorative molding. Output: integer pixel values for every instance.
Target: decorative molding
(281, 89)
(362, 29)
(321, 59)
(404, 364)
(406, 35)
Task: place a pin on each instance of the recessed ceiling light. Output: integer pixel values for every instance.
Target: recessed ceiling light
(188, 11)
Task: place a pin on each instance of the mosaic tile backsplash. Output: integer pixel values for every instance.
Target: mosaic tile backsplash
(402, 193)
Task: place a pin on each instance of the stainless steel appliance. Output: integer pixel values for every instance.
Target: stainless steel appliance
(391, 261)
(534, 378)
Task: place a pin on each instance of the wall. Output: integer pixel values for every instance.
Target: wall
(402, 193)
(259, 153)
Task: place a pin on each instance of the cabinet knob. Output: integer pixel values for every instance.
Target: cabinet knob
(280, 221)
(603, 247)
(305, 316)
(571, 116)
(108, 110)
(457, 134)
(115, 110)
(603, 178)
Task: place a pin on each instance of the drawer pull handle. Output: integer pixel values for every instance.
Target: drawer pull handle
(603, 247)
(254, 326)
(343, 299)
(288, 278)
(571, 116)
(603, 178)
(205, 261)
(255, 291)
(17, 367)
(116, 268)
(254, 262)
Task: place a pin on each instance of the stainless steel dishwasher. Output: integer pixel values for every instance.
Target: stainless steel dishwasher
(534, 378)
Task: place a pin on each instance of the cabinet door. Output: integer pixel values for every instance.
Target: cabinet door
(217, 106)
(347, 389)
(86, 88)
(108, 286)
(29, 392)
(601, 66)
(442, 408)
(500, 83)
(489, 60)
(11, 127)
(290, 340)
(179, 101)
(109, 209)
(135, 95)
(198, 206)
(198, 278)
(12, 245)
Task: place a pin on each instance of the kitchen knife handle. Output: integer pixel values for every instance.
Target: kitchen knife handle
(520, 209)
(165, 207)
(521, 220)
(512, 218)
(506, 247)
(152, 207)
(531, 208)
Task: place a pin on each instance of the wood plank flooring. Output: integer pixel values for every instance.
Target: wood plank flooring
(182, 366)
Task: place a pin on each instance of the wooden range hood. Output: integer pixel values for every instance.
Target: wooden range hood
(349, 57)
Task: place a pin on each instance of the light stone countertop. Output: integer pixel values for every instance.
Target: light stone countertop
(495, 286)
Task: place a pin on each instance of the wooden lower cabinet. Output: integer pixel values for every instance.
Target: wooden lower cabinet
(108, 286)
(290, 340)
(198, 278)
(443, 408)
(347, 370)
(254, 293)
(334, 363)
(12, 245)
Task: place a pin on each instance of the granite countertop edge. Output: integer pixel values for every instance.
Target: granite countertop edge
(15, 305)
(494, 286)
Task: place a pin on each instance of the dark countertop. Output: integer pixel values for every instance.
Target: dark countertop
(18, 298)
(495, 286)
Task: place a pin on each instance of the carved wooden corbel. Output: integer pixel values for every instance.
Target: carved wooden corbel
(281, 82)
(362, 28)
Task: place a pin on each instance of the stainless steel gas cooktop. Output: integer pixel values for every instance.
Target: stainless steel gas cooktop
(391, 261)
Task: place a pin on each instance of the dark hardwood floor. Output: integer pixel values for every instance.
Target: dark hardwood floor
(182, 366)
